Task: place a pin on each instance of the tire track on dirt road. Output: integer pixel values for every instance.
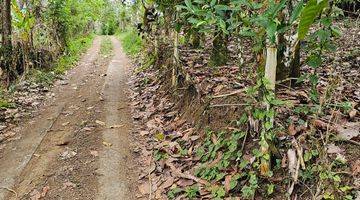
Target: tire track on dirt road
(61, 154)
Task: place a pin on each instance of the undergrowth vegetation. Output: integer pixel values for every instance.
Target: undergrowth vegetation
(270, 70)
(106, 47)
(65, 62)
(131, 41)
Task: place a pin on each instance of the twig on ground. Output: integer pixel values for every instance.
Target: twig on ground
(229, 94)
(10, 190)
(149, 177)
(180, 174)
(225, 105)
(349, 141)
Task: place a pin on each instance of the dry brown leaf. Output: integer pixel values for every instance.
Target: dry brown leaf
(168, 183)
(101, 123)
(185, 182)
(319, 124)
(35, 195)
(94, 153)
(65, 124)
(227, 183)
(333, 149)
(68, 184)
(107, 144)
(264, 168)
(292, 129)
(143, 133)
(45, 191)
(355, 168)
(144, 188)
(352, 113)
(349, 131)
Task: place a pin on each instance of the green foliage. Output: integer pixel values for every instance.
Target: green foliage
(174, 192)
(131, 42)
(42, 77)
(312, 9)
(72, 53)
(191, 192)
(5, 104)
(106, 47)
(109, 20)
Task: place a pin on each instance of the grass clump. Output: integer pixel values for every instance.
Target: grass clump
(5, 104)
(131, 42)
(72, 53)
(106, 47)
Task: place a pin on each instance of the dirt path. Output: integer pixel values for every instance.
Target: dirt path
(77, 145)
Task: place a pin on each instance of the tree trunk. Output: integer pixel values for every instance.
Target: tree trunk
(6, 16)
(220, 53)
(295, 65)
(6, 62)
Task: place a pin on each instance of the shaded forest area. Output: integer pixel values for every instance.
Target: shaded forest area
(242, 99)
(36, 33)
(40, 41)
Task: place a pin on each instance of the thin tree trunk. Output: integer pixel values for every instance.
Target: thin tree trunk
(295, 65)
(270, 68)
(6, 15)
(6, 40)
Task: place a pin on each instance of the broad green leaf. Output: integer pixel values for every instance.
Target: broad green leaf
(308, 15)
(222, 7)
(296, 12)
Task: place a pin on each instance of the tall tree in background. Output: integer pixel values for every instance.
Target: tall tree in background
(6, 47)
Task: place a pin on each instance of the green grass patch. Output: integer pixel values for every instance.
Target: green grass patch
(5, 104)
(131, 42)
(72, 53)
(106, 47)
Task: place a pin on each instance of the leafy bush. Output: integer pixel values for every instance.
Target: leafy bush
(131, 42)
(72, 54)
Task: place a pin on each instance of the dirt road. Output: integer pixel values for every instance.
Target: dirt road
(77, 145)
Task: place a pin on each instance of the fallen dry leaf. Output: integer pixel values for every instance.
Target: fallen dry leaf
(45, 190)
(352, 113)
(144, 188)
(65, 124)
(333, 149)
(319, 124)
(168, 183)
(68, 184)
(143, 133)
(107, 144)
(35, 195)
(349, 131)
(185, 182)
(355, 168)
(227, 183)
(101, 123)
(94, 153)
(292, 129)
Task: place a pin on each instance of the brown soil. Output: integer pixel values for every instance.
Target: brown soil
(61, 152)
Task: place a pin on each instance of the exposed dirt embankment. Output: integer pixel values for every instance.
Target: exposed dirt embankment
(175, 122)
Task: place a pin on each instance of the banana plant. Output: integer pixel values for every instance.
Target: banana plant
(23, 21)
